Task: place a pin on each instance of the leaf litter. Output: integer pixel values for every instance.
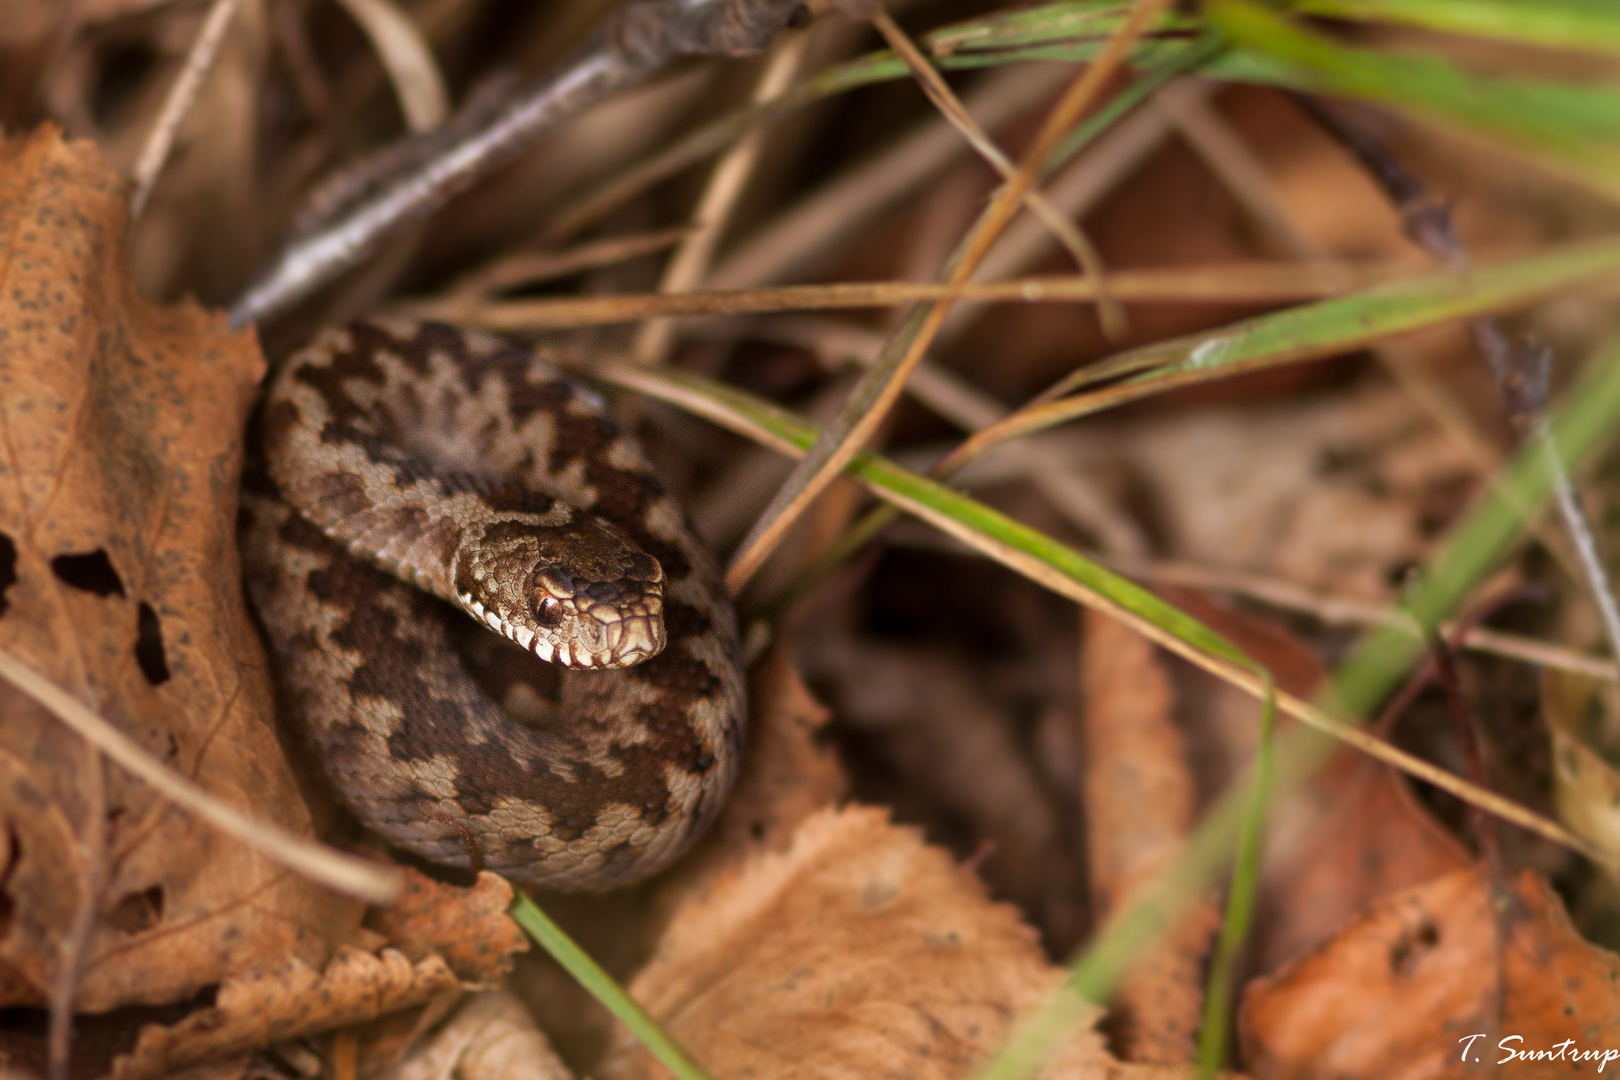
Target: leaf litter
(1022, 757)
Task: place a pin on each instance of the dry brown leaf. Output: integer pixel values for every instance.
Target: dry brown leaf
(491, 1037)
(1351, 835)
(788, 773)
(120, 453)
(936, 723)
(1335, 493)
(1400, 991)
(1139, 798)
(469, 927)
(858, 951)
(286, 1001)
(1580, 715)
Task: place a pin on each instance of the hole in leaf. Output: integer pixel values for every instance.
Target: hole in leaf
(8, 569)
(138, 912)
(149, 645)
(92, 572)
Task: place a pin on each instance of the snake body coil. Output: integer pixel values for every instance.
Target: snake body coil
(479, 475)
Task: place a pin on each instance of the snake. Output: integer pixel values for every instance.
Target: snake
(490, 625)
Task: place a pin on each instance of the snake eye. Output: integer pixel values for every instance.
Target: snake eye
(549, 612)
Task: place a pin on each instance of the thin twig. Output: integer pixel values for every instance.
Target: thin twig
(523, 268)
(344, 873)
(182, 96)
(1521, 373)
(639, 40)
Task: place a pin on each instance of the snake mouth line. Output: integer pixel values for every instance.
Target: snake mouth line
(562, 654)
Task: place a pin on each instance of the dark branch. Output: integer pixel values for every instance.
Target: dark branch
(417, 178)
(1521, 371)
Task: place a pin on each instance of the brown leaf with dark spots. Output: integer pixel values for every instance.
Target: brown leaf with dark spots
(1397, 992)
(1337, 844)
(120, 454)
(469, 927)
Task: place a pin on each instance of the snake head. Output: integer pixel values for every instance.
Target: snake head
(580, 594)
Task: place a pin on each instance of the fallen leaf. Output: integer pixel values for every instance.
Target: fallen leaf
(858, 951)
(1399, 992)
(1353, 834)
(1580, 712)
(959, 765)
(1139, 796)
(120, 455)
(1336, 493)
(468, 928)
(789, 772)
(286, 1001)
(491, 1037)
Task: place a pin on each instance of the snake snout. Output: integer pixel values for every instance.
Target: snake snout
(595, 624)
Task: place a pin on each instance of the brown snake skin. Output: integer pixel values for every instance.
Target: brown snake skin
(473, 469)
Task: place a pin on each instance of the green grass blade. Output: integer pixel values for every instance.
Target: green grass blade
(1574, 129)
(1327, 328)
(604, 988)
(1373, 671)
(1586, 25)
(1591, 411)
(1240, 898)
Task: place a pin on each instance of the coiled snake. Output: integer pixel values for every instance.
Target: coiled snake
(480, 475)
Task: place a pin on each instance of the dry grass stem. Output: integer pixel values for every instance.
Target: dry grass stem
(692, 258)
(533, 267)
(876, 394)
(799, 239)
(1344, 611)
(406, 57)
(177, 106)
(648, 382)
(944, 99)
(1230, 283)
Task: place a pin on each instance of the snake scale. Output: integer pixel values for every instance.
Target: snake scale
(435, 469)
